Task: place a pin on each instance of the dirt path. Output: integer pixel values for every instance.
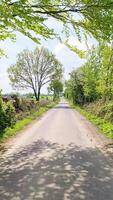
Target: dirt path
(56, 158)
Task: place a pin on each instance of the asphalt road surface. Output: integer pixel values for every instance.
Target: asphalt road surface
(55, 158)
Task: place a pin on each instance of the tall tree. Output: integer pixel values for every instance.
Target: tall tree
(34, 70)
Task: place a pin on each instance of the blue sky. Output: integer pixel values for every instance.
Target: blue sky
(68, 58)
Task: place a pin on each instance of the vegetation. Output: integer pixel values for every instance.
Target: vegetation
(93, 80)
(56, 87)
(104, 126)
(31, 18)
(7, 114)
(91, 86)
(34, 69)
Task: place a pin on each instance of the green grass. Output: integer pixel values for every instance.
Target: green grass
(104, 126)
(11, 131)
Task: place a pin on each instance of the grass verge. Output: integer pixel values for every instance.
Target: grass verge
(104, 126)
(11, 131)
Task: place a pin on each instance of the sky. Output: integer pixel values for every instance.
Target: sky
(68, 58)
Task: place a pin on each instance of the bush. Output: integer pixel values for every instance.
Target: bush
(7, 115)
(24, 104)
(101, 109)
(44, 102)
(16, 102)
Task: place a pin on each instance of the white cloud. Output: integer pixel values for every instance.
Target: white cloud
(58, 48)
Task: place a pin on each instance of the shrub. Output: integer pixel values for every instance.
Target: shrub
(101, 109)
(23, 104)
(28, 104)
(44, 102)
(16, 102)
(7, 114)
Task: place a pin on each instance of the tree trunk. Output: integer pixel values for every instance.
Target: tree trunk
(38, 95)
(35, 94)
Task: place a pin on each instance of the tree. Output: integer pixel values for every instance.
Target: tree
(34, 70)
(56, 86)
(93, 80)
(90, 72)
(105, 82)
(74, 87)
(30, 16)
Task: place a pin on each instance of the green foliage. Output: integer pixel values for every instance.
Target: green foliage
(74, 87)
(80, 53)
(101, 109)
(7, 115)
(31, 18)
(93, 80)
(20, 16)
(2, 53)
(56, 86)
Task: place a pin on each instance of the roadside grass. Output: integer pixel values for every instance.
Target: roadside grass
(19, 125)
(104, 126)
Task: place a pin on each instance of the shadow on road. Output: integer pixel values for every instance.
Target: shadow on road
(63, 106)
(51, 171)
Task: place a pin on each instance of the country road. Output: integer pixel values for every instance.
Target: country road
(56, 158)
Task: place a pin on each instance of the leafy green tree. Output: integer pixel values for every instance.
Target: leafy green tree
(74, 87)
(95, 77)
(90, 72)
(56, 86)
(105, 82)
(34, 69)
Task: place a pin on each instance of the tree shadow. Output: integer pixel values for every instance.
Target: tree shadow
(51, 171)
